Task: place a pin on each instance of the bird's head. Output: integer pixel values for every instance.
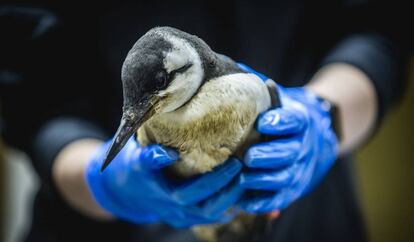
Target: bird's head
(161, 72)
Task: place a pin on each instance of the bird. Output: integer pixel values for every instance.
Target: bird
(179, 93)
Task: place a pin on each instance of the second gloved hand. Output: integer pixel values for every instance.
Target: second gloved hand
(303, 148)
(135, 189)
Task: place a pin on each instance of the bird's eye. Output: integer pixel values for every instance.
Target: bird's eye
(182, 69)
(161, 79)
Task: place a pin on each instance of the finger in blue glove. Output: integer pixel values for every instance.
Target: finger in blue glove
(134, 188)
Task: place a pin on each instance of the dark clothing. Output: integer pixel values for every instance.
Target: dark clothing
(60, 81)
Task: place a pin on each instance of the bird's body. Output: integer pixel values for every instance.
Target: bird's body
(181, 94)
(212, 125)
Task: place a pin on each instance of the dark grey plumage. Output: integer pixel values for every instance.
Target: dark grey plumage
(144, 73)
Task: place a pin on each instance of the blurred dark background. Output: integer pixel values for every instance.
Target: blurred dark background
(384, 166)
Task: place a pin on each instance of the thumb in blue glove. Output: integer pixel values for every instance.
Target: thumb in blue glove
(304, 148)
(135, 189)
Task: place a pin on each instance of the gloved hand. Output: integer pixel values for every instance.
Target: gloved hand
(304, 148)
(134, 188)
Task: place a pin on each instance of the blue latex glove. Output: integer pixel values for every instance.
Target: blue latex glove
(135, 189)
(304, 148)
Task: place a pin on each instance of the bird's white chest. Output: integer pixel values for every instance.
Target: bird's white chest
(210, 127)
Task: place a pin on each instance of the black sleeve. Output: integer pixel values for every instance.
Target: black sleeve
(379, 60)
(56, 134)
(374, 40)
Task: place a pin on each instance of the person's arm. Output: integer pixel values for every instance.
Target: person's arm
(364, 75)
(133, 189)
(68, 174)
(363, 78)
(351, 90)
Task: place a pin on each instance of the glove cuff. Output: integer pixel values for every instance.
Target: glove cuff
(333, 111)
(324, 107)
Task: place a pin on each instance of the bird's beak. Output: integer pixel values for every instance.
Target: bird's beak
(132, 118)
